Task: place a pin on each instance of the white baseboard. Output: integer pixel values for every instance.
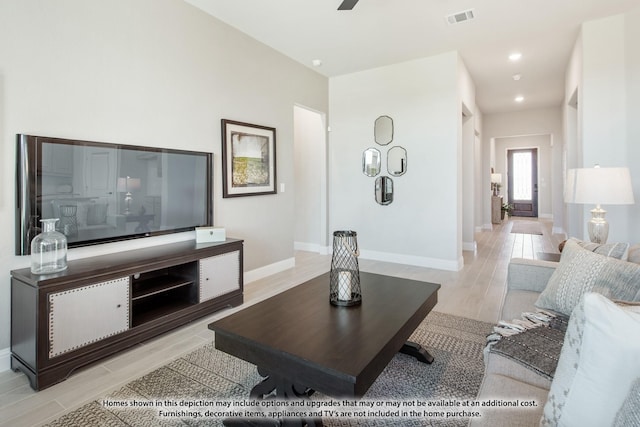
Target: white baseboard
(308, 247)
(439, 264)
(470, 246)
(268, 270)
(488, 227)
(5, 359)
(311, 247)
(436, 263)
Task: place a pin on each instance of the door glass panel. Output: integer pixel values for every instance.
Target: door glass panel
(522, 176)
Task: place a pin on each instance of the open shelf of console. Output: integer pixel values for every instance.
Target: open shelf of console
(160, 293)
(151, 287)
(102, 305)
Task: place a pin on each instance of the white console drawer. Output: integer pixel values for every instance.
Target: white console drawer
(219, 275)
(81, 316)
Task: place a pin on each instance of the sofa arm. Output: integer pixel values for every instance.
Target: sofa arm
(529, 274)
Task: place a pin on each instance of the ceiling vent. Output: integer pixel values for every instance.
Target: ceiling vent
(459, 17)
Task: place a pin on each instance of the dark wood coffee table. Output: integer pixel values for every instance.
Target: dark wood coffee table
(301, 343)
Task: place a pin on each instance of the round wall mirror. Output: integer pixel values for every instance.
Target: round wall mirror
(384, 190)
(371, 162)
(383, 130)
(397, 161)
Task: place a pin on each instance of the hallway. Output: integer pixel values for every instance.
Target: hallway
(477, 290)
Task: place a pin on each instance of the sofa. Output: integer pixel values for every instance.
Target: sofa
(88, 215)
(586, 274)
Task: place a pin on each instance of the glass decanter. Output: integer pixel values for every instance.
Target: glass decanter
(48, 249)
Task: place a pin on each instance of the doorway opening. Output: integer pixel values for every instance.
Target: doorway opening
(310, 170)
(523, 181)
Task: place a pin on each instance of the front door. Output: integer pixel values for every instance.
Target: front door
(523, 181)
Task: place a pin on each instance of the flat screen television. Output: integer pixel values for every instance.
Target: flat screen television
(103, 192)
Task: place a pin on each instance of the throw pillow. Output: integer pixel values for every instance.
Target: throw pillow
(613, 250)
(97, 214)
(598, 364)
(634, 254)
(581, 271)
(629, 413)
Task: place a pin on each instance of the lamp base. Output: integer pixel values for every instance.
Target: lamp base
(598, 226)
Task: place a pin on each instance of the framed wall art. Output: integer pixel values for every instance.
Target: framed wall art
(248, 159)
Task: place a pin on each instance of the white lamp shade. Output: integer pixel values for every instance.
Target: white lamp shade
(599, 186)
(496, 178)
(128, 184)
(122, 185)
(134, 184)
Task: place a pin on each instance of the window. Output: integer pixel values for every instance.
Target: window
(522, 175)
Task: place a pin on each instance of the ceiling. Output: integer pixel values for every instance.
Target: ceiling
(382, 32)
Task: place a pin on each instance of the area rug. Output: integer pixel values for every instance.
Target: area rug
(526, 227)
(208, 374)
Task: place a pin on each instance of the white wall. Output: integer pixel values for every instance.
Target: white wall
(310, 180)
(421, 226)
(546, 122)
(603, 92)
(572, 123)
(604, 69)
(481, 192)
(468, 156)
(151, 72)
(632, 65)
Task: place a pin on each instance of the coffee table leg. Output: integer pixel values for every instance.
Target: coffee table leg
(275, 386)
(283, 388)
(416, 350)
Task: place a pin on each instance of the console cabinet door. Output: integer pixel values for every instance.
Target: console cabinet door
(81, 316)
(219, 275)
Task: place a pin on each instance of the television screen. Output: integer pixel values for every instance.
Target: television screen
(107, 192)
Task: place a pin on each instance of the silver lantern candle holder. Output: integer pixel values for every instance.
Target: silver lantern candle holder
(344, 278)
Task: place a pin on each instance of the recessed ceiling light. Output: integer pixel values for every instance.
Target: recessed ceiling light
(517, 77)
(515, 56)
(519, 98)
(317, 62)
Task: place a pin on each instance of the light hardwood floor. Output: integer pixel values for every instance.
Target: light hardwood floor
(474, 292)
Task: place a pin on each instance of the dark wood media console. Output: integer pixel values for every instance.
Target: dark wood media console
(102, 305)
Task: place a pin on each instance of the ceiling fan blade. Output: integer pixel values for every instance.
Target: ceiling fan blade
(347, 4)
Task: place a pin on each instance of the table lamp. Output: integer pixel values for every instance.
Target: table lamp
(496, 181)
(127, 185)
(599, 186)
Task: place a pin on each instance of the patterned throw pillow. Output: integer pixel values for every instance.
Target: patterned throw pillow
(629, 413)
(97, 213)
(613, 250)
(598, 365)
(634, 254)
(581, 271)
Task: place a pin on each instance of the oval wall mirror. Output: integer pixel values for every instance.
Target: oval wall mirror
(384, 190)
(397, 161)
(371, 162)
(383, 130)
